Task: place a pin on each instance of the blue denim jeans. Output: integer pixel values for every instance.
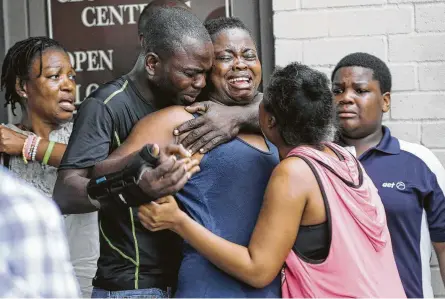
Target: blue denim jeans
(141, 293)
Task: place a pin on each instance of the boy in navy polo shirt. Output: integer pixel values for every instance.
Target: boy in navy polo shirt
(410, 179)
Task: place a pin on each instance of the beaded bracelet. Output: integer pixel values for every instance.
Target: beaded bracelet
(36, 145)
(26, 148)
(31, 148)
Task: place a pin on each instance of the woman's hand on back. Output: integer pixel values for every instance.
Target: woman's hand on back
(161, 214)
(11, 142)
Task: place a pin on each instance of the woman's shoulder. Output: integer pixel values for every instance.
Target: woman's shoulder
(158, 127)
(62, 133)
(295, 170)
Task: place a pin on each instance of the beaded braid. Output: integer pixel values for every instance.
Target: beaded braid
(17, 64)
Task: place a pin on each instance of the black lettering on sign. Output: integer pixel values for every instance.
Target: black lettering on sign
(101, 37)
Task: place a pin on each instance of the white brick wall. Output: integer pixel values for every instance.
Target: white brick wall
(417, 47)
(286, 5)
(336, 3)
(407, 34)
(430, 17)
(431, 76)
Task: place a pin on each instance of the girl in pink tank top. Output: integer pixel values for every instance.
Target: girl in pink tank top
(360, 262)
(322, 217)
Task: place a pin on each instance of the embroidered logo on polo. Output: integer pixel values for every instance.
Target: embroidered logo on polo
(399, 185)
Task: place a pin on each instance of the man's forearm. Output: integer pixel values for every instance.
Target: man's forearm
(70, 194)
(111, 165)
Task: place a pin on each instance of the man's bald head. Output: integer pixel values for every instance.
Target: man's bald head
(166, 29)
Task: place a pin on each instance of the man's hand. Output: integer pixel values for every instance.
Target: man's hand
(11, 142)
(171, 174)
(216, 125)
(161, 214)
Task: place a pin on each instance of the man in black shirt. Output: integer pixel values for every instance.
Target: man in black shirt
(177, 52)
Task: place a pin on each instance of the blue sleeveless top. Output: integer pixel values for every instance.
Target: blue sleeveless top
(226, 197)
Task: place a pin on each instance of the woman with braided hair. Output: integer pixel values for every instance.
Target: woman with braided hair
(30, 71)
(38, 77)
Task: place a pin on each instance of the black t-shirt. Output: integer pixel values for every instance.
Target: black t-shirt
(131, 257)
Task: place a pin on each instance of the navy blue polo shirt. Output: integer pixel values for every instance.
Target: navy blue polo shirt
(411, 183)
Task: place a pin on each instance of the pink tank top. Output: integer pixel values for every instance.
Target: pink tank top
(360, 261)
